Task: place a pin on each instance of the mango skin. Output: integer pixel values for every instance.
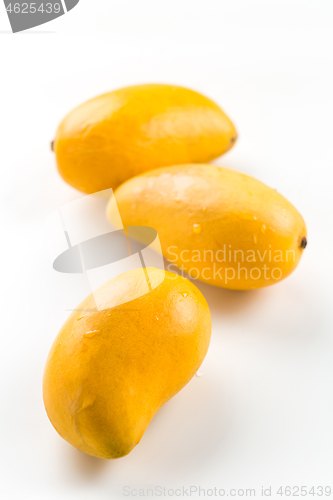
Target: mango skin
(201, 212)
(118, 135)
(102, 388)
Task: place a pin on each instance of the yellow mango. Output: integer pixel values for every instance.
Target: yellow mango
(115, 136)
(111, 368)
(220, 226)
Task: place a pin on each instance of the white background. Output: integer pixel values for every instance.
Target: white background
(262, 413)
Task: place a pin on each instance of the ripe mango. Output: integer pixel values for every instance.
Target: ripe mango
(113, 366)
(220, 226)
(118, 135)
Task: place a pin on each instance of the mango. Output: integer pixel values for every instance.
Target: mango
(118, 135)
(112, 366)
(220, 226)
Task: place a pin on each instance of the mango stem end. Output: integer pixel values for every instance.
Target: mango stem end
(304, 242)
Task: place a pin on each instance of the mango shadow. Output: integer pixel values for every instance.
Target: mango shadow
(223, 301)
(86, 466)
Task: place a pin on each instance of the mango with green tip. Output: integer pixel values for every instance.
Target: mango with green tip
(222, 227)
(111, 368)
